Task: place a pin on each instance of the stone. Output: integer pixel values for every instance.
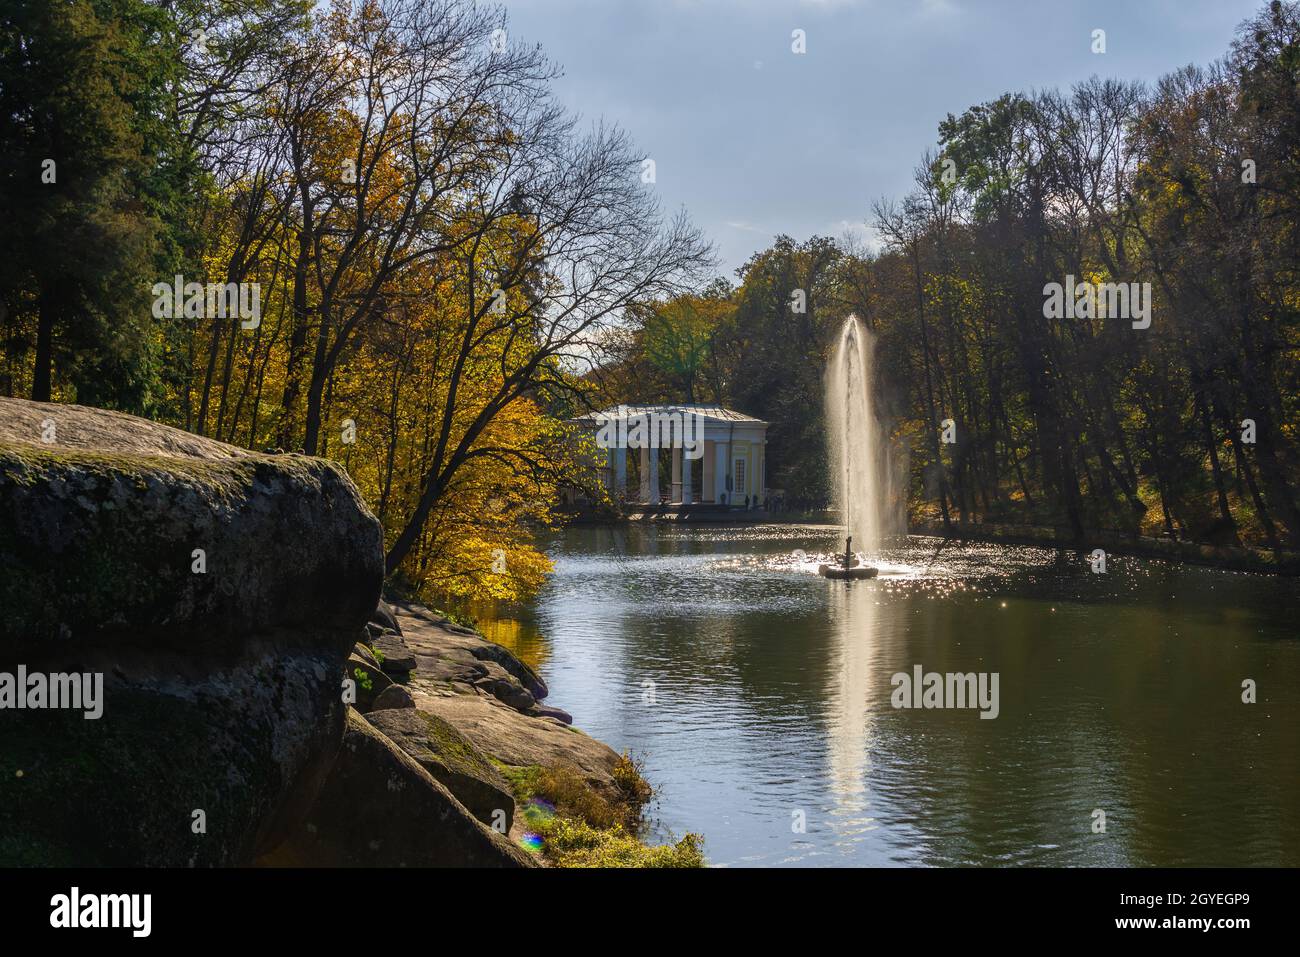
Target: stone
(98, 542)
(448, 654)
(217, 591)
(384, 617)
(451, 759)
(395, 658)
(369, 681)
(546, 711)
(506, 690)
(509, 737)
(394, 696)
(444, 634)
(362, 651)
(379, 808)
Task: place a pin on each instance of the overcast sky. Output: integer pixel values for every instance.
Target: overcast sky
(755, 140)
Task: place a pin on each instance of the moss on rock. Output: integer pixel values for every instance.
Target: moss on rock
(122, 790)
(101, 546)
(221, 683)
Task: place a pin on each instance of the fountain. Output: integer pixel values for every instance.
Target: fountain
(860, 459)
(850, 566)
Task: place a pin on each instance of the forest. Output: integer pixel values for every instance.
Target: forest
(1181, 423)
(434, 247)
(449, 265)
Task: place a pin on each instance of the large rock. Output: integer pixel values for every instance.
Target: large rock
(379, 808)
(99, 532)
(517, 739)
(222, 702)
(238, 755)
(425, 632)
(450, 757)
(447, 653)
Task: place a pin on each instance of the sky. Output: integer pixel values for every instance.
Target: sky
(755, 140)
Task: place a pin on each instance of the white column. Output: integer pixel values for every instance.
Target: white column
(723, 449)
(707, 492)
(620, 473)
(688, 480)
(645, 475)
(654, 475)
(676, 493)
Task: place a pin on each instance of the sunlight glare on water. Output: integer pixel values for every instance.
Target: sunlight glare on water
(771, 697)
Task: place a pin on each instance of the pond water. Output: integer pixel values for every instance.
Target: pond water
(758, 696)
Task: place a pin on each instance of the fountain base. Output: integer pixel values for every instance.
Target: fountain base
(847, 574)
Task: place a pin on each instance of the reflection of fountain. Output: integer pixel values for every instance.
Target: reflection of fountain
(853, 683)
(861, 463)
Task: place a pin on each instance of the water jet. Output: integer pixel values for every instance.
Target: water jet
(859, 450)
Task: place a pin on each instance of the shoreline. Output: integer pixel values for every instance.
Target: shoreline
(578, 801)
(1240, 558)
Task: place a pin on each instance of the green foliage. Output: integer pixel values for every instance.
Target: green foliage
(574, 843)
(581, 827)
(635, 790)
(749, 348)
(990, 148)
(83, 85)
(678, 339)
(1074, 423)
(204, 137)
(301, 151)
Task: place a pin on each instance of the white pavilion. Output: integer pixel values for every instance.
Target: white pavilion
(718, 458)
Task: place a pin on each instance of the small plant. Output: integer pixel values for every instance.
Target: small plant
(634, 788)
(574, 843)
(364, 679)
(577, 825)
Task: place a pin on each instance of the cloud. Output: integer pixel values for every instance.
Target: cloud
(938, 8)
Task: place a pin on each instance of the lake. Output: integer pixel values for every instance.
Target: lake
(758, 696)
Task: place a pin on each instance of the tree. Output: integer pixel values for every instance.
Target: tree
(81, 137)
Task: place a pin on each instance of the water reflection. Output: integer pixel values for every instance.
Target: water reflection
(770, 696)
(855, 609)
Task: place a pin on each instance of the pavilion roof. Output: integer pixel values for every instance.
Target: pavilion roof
(715, 412)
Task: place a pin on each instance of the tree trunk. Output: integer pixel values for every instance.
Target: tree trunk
(43, 370)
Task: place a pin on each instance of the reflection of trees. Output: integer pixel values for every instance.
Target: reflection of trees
(1127, 701)
(521, 638)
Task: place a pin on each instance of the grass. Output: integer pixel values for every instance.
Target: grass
(578, 826)
(572, 843)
